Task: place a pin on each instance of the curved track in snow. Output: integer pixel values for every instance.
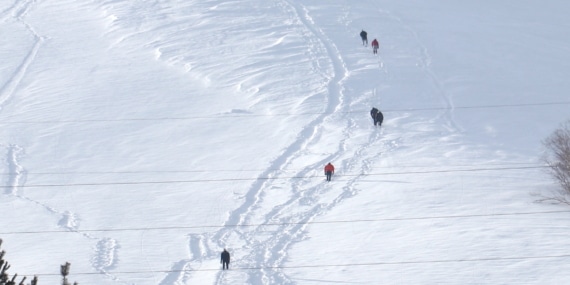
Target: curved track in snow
(284, 219)
(308, 198)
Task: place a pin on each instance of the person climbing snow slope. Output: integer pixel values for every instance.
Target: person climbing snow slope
(377, 116)
(225, 259)
(364, 37)
(329, 171)
(375, 46)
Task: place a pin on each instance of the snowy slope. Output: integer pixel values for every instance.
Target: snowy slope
(140, 138)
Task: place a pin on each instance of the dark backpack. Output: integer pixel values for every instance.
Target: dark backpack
(379, 118)
(373, 113)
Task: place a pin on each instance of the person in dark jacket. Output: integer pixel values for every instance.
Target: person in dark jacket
(329, 171)
(364, 37)
(377, 116)
(373, 114)
(225, 261)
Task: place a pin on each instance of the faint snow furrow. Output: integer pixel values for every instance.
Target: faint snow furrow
(18, 11)
(21, 8)
(8, 89)
(425, 64)
(441, 90)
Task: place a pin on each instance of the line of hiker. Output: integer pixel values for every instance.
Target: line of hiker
(377, 119)
(364, 37)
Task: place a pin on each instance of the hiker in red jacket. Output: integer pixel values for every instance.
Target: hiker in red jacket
(329, 171)
(375, 46)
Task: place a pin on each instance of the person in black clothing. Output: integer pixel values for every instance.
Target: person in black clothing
(377, 116)
(364, 37)
(225, 261)
(373, 114)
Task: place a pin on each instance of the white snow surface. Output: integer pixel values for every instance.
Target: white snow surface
(139, 138)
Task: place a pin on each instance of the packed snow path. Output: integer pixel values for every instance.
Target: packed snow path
(276, 211)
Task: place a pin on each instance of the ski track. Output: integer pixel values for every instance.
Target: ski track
(306, 202)
(289, 219)
(318, 44)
